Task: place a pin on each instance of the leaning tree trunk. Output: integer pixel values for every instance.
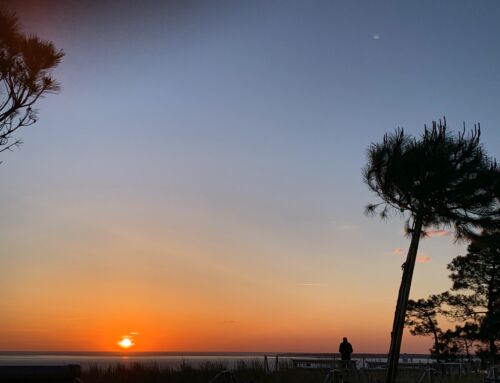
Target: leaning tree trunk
(402, 303)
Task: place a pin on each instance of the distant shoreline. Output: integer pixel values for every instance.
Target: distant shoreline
(195, 353)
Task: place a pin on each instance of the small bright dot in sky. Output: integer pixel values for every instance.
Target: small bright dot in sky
(376, 37)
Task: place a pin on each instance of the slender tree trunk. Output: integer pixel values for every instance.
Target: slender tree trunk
(490, 317)
(467, 350)
(493, 351)
(436, 339)
(402, 303)
(491, 336)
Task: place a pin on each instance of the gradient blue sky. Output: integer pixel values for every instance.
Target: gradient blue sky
(213, 151)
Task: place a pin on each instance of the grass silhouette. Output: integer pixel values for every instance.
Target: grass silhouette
(243, 372)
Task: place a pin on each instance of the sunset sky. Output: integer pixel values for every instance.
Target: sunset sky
(196, 185)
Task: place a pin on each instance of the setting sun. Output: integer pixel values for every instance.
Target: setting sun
(125, 342)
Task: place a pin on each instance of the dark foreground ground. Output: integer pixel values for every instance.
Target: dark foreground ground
(250, 373)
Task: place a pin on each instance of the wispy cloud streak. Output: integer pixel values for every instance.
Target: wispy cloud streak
(438, 233)
(424, 259)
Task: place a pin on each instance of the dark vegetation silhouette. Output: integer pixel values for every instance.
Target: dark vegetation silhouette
(437, 180)
(477, 274)
(243, 372)
(473, 303)
(422, 319)
(26, 63)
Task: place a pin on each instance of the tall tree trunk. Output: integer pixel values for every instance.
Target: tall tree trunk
(436, 339)
(467, 351)
(493, 351)
(402, 303)
(490, 318)
(488, 323)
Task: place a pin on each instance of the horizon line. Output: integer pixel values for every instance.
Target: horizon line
(195, 353)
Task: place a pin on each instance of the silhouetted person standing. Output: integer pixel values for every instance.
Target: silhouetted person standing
(345, 350)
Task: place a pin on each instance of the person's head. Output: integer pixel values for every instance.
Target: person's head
(344, 339)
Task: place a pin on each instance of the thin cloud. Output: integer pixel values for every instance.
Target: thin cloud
(376, 36)
(439, 233)
(397, 251)
(424, 259)
(312, 284)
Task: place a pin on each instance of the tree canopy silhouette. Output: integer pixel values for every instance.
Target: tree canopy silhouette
(26, 63)
(421, 318)
(478, 273)
(438, 180)
(473, 302)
